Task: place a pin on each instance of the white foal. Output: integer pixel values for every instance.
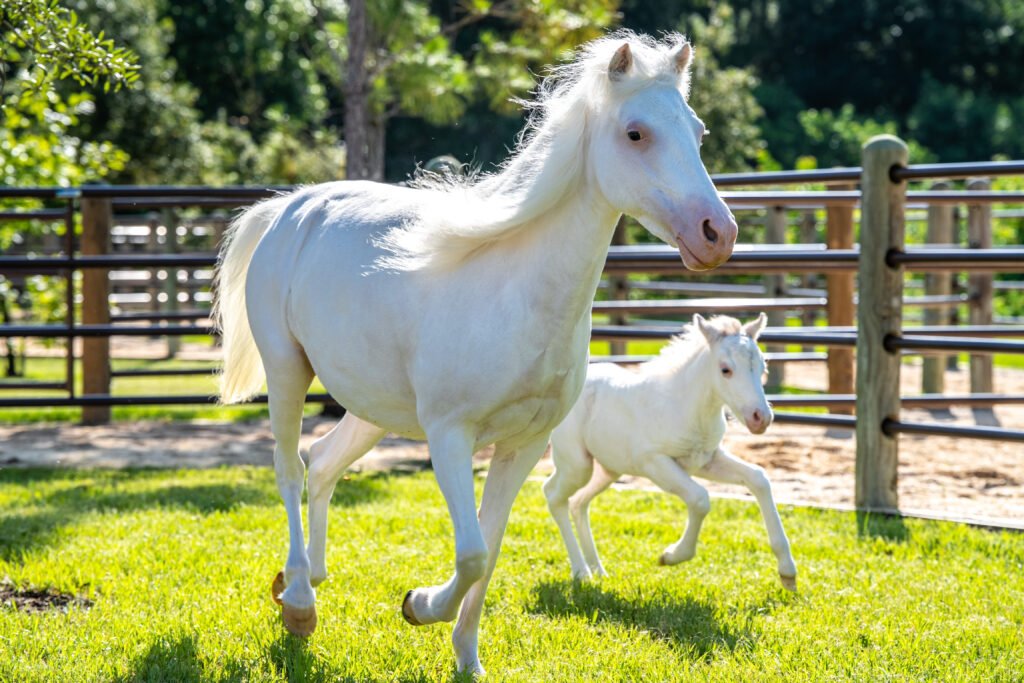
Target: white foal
(666, 423)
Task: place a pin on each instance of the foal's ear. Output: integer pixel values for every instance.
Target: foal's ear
(709, 331)
(682, 57)
(754, 327)
(621, 62)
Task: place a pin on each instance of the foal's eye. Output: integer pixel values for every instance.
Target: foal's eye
(635, 135)
(726, 372)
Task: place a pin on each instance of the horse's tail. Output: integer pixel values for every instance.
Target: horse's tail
(243, 373)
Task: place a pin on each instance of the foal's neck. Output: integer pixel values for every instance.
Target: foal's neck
(693, 380)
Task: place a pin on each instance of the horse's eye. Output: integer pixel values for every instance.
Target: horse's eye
(726, 372)
(635, 135)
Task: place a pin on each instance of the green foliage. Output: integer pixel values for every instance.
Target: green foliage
(177, 567)
(835, 138)
(48, 43)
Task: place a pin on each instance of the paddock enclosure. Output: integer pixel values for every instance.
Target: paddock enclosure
(859, 269)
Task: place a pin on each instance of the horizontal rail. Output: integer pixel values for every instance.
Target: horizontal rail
(840, 421)
(702, 305)
(771, 357)
(919, 401)
(110, 400)
(169, 372)
(895, 343)
(28, 384)
(776, 335)
(154, 316)
(63, 332)
(893, 427)
(957, 170)
(1002, 259)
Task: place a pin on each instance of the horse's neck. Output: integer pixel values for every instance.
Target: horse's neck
(692, 382)
(559, 260)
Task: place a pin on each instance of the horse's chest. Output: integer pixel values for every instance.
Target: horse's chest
(695, 449)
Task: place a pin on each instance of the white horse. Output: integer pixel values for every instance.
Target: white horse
(665, 422)
(459, 310)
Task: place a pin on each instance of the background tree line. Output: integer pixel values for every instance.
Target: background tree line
(232, 91)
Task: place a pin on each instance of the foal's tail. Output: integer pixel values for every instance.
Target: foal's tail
(243, 370)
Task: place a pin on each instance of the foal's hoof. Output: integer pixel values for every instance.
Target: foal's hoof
(277, 587)
(407, 610)
(788, 582)
(300, 621)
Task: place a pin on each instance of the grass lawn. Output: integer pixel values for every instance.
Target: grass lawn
(178, 565)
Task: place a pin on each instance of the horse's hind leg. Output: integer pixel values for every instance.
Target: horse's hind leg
(329, 456)
(288, 378)
(579, 505)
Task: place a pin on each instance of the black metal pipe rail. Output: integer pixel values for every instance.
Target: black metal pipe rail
(784, 199)
(33, 215)
(815, 420)
(1007, 259)
(893, 427)
(28, 384)
(63, 332)
(771, 335)
(771, 357)
(702, 305)
(957, 170)
(169, 372)
(149, 400)
(919, 401)
(895, 343)
(156, 316)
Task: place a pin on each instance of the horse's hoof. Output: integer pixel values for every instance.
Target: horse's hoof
(407, 610)
(788, 582)
(300, 621)
(663, 560)
(277, 587)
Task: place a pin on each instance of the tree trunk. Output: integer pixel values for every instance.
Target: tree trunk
(357, 95)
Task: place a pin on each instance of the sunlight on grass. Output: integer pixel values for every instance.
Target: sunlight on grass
(178, 566)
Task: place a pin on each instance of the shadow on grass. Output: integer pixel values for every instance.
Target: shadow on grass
(169, 659)
(293, 660)
(39, 523)
(686, 621)
(889, 527)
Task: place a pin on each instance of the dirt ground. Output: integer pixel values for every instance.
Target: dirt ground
(981, 481)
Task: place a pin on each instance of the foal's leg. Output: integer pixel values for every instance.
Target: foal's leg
(727, 468)
(507, 473)
(579, 504)
(451, 452)
(669, 476)
(329, 456)
(288, 378)
(573, 467)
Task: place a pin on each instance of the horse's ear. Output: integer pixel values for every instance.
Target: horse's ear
(621, 62)
(707, 329)
(682, 57)
(754, 328)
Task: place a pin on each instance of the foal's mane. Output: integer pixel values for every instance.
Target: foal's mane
(465, 214)
(685, 346)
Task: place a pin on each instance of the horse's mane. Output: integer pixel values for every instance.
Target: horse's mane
(467, 213)
(683, 347)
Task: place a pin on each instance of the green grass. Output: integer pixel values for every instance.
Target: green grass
(178, 566)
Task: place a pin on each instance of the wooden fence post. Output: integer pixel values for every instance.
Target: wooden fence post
(775, 286)
(980, 289)
(170, 284)
(96, 220)
(808, 235)
(618, 289)
(879, 313)
(839, 307)
(940, 231)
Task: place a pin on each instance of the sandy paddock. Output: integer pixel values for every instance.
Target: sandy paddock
(960, 478)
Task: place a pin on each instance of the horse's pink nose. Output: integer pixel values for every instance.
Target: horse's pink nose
(718, 231)
(757, 421)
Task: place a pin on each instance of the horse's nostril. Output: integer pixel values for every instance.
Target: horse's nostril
(709, 233)
(756, 416)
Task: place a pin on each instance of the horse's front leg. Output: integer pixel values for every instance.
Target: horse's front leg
(729, 469)
(667, 474)
(451, 452)
(505, 478)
